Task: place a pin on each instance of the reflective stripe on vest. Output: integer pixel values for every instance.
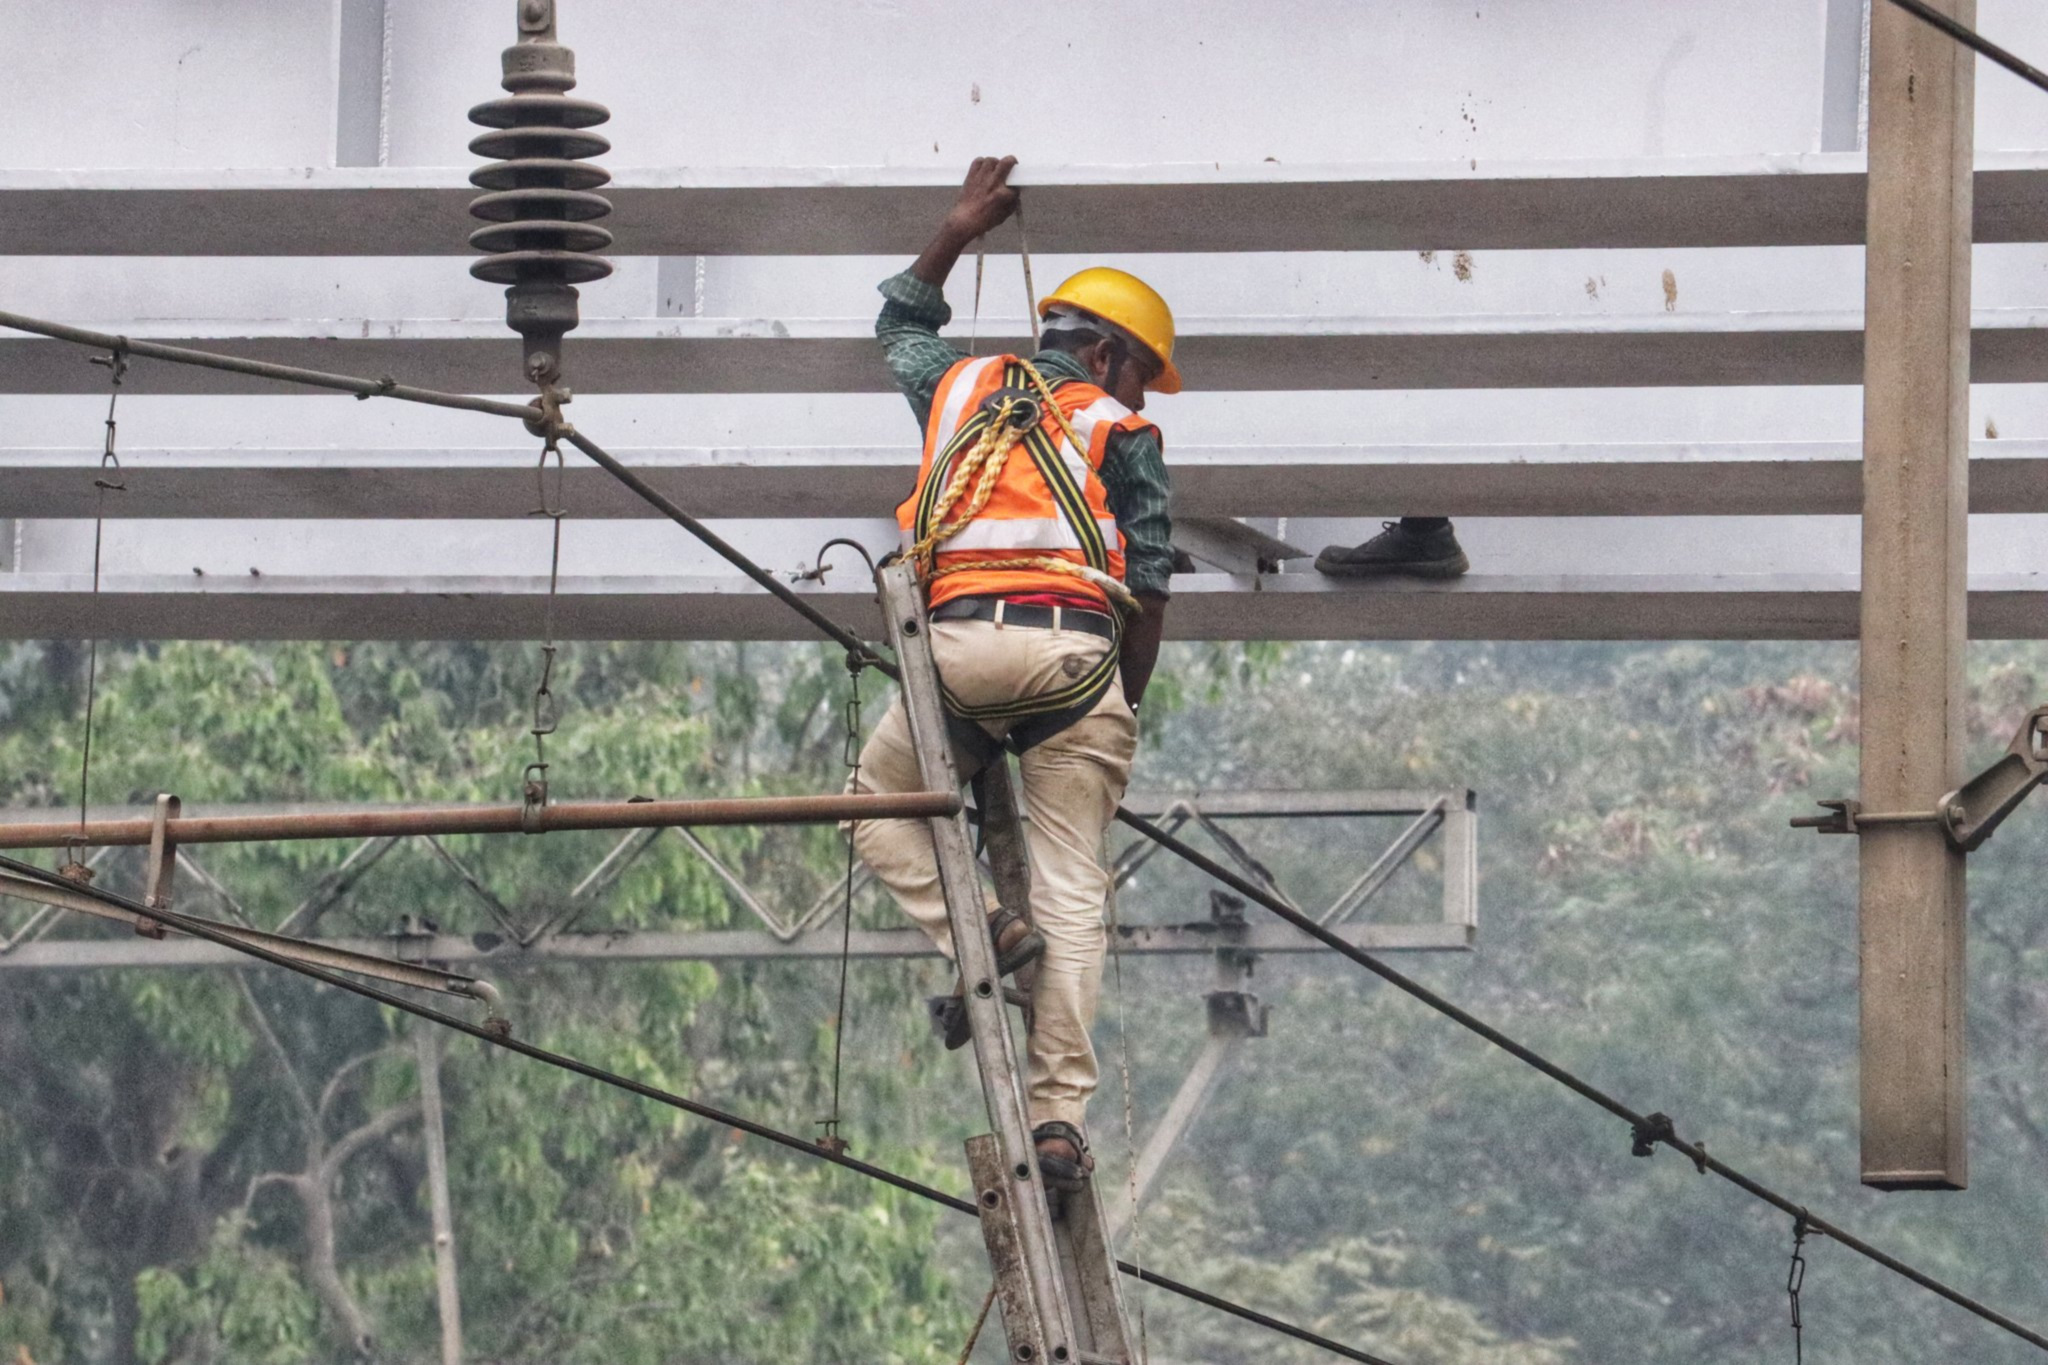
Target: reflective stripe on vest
(1022, 533)
(1049, 499)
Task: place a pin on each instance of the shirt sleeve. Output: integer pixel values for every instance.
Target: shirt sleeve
(908, 328)
(1134, 476)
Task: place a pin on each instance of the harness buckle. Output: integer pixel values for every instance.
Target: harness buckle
(1024, 411)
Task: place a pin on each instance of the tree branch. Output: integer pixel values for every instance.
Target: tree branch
(332, 1089)
(277, 1052)
(350, 1143)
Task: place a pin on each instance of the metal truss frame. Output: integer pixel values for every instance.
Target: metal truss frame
(799, 934)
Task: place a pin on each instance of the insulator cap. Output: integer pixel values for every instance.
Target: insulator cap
(537, 141)
(515, 110)
(538, 173)
(531, 234)
(535, 267)
(527, 204)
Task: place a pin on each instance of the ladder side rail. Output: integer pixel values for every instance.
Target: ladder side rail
(994, 1051)
(1080, 1230)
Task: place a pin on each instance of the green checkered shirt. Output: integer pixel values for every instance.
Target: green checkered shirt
(1133, 469)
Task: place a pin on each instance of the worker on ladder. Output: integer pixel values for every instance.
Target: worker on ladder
(1039, 526)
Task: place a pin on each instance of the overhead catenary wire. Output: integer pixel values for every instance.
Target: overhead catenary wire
(497, 1037)
(1975, 41)
(1648, 1129)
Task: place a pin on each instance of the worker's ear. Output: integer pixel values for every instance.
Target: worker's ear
(1098, 357)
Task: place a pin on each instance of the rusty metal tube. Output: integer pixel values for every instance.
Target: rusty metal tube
(569, 815)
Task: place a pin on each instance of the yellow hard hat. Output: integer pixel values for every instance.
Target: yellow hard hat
(1131, 304)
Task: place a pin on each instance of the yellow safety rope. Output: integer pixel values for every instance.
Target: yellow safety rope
(982, 466)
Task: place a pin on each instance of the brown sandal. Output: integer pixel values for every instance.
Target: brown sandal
(1062, 1172)
(1017, 943)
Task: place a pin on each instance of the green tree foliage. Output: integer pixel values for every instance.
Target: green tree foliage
(226, 1165)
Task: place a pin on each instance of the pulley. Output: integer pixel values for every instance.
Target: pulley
(540, 210)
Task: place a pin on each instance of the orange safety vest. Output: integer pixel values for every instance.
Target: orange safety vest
(1050, 505)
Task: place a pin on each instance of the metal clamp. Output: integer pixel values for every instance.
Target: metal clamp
(533, 810)
(1017, 409)
(1971, 813)
(163, 863)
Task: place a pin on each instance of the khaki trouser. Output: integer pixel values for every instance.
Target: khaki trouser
(1072, 784)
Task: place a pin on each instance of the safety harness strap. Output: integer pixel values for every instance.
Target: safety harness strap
(1043, 716)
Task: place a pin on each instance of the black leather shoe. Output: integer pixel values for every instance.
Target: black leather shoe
(1427, 550)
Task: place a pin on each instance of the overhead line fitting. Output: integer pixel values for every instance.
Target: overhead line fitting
(539, 206)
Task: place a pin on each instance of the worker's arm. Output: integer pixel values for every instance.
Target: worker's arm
(1141, 645)
(914, 307)
(1134, 480)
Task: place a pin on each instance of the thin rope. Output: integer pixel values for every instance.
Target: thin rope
(851, 755)
(1030, 294)
(108, 479)
(974, 327)
(980, 1321)
(499, 1038)
(1123, 1030)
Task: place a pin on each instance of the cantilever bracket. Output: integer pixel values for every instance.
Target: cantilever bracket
(163, 862)
(1971, 813)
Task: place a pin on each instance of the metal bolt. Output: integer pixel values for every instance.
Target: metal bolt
(910, 627)
(984, 989)
(1957, 813)
(1021, 1171)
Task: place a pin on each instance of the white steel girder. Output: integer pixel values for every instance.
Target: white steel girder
(1557, 479)
(680, 355)
(1811, 199)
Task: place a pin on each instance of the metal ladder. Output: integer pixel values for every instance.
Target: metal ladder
(1055, 1275)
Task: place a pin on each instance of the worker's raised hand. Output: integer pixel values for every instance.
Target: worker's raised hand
(986, 198)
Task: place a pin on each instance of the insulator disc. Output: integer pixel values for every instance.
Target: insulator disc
(543, 235)
(553, 111)
(517, 267)
(511, 206)
(539, 173)
(512, 144)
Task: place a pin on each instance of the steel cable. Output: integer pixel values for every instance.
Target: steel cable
(1649, 1129)
(199, 928)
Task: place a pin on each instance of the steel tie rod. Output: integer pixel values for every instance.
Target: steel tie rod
(206, 929)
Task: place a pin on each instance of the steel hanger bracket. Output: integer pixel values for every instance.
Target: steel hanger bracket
(1971, 813)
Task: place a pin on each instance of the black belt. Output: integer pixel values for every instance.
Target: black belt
(1007, 613)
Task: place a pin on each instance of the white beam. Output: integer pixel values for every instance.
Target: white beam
(1293, 606)
(1740, 201)
(726, 355)
(1748, 478)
